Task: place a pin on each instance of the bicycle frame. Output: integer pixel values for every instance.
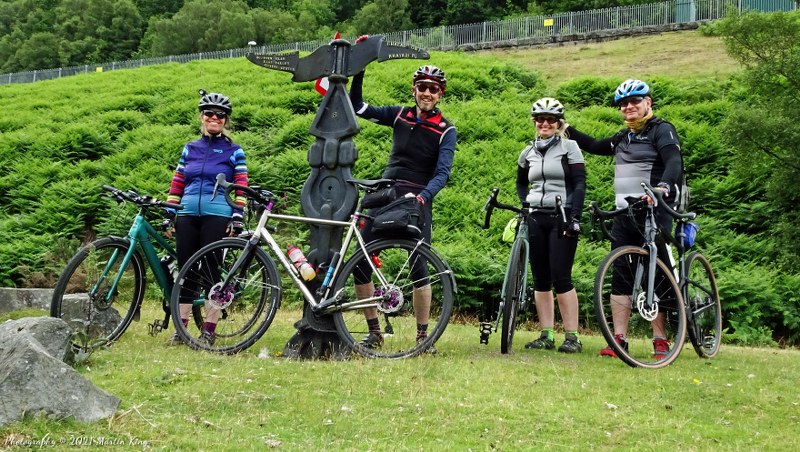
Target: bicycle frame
(139, 237)
(324, 306)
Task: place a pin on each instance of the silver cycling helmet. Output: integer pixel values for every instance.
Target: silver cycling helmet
(210, 100)
(547, 106)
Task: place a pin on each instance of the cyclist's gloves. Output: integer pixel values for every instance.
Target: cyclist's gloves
(236, 225)
(573, 228)
(168, 223)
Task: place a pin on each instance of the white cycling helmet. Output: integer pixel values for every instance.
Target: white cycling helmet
(547, 106)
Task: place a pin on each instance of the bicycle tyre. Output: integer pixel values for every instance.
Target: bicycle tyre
(514, 293)
(251, 304)
(620, 267)
(704, 310)
(398, 315)
(94, 321)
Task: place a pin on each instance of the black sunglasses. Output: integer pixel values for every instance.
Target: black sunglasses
(547, 119)
(422, 87)
(634, 100)
(212, 113)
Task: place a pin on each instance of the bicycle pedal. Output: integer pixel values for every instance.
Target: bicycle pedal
(155, 327)
(486, 330)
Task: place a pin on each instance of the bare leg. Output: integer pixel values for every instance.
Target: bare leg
(568, 306)
(620, 313)
(213, 315)
(366, 291)
(185, 309)
(422, 304)
(658, 326)
(544, 308)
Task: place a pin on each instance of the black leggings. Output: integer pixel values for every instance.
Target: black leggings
(551, 253)
(193, 233)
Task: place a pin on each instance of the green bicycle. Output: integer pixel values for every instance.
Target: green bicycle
(102, 287)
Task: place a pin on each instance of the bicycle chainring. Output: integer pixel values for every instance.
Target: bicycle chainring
(391, 298)
(220, 297)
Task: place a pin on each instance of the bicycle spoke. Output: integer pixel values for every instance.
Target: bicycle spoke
(654, 329)
(419, 291)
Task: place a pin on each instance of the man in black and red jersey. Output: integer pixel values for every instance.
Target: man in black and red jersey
(423, 146)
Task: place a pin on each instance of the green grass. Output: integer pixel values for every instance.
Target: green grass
(468, 397)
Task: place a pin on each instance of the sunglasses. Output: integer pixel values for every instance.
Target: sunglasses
(545, 119)
(433, 89)
(212, 113)
(635, 100)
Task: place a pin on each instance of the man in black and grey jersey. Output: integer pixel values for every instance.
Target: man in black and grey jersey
(647, 149)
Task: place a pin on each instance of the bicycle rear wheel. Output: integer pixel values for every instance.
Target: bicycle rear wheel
(404, 264)
(514, 292)
(704, 310)
(246, 305)
(96, 295)
(620, 297)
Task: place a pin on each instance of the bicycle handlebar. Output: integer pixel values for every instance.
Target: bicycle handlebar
(139, 200)
(490, 205)
(658, 201)
(658, 195)
(263, 197)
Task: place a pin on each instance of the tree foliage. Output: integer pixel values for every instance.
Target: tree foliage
(43, 34)
(764, 130)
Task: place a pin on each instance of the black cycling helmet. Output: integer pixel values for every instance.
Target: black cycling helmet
(210, 100)
(431, 73)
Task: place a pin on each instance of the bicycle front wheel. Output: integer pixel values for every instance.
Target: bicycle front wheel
(418, 290)
(243, 308)
(654, 332)
(704, 310)
(97, 295)
(514, 292)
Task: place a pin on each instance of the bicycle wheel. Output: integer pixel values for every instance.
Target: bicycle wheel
(514, 292)
(620, 296)
(704, 310)
(96, 296)
(246, 305)
(404, 264)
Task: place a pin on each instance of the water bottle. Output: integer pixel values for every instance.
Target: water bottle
(170, 267)
(299, 260)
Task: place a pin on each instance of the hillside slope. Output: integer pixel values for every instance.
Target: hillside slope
(125, 128)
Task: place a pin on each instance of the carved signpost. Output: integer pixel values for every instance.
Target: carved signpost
(326, 194)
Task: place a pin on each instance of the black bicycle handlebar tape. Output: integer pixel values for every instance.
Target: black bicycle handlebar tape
(170, 205)
(489, 207)
(230, 186)
(659, 195)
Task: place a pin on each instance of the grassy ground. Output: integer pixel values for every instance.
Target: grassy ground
(468, 397)
(672, 54)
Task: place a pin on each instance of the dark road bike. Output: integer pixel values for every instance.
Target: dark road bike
(634, 284)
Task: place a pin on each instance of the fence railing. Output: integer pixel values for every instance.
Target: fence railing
(522, 30)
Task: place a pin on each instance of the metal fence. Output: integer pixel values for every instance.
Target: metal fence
(523, 30)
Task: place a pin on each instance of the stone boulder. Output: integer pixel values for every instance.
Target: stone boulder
(34, 382)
